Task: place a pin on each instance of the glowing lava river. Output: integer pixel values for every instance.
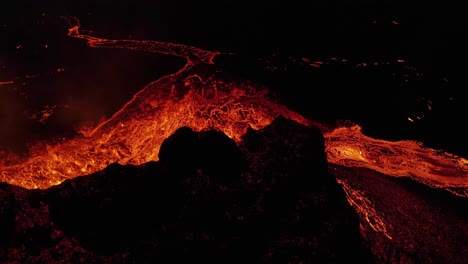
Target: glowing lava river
(200, 97)
(190, 97)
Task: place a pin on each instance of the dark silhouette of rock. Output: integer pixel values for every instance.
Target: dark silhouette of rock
(268, 200)
(8, 208)
(178, 151)
(211, 152)
(306, 215)
(219, 157)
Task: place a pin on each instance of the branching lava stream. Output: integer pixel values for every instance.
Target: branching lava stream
(190, 97)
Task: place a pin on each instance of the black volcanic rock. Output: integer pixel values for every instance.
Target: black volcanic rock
(219, 157)
(211, 152)
(7, 218)
(418, 223)
(178, 151)
(306, 215)
(288, 148)
(269, 199)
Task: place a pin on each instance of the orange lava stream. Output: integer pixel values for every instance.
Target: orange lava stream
(188, 97)
(192, 98)
(347, 146)
(134, 134)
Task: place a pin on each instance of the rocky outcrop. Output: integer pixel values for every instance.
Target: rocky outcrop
(269, 199)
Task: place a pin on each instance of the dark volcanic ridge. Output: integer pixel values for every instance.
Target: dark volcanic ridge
(272, 198)
(268, 199)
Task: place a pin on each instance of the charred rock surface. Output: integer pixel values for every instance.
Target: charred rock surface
(269, 199)
(423, 224)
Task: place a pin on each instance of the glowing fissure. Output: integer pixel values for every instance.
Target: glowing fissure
(365, 209)
(134, 134)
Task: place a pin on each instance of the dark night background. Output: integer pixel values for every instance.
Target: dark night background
(273, 196)
(426, 35)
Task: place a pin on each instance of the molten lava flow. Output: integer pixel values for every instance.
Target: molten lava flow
(191, 97)
(134, 134)
(200, 100)
(347, 146)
